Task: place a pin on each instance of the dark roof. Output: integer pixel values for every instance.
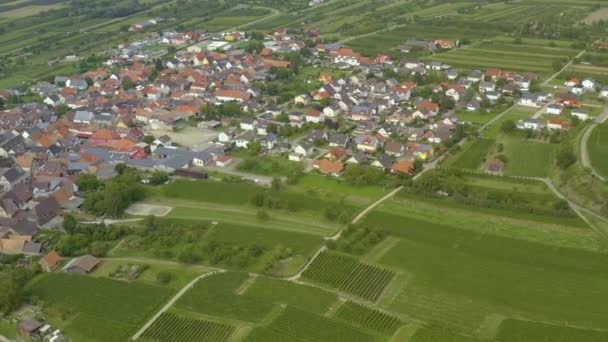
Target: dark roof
(29, 325)
(47, 209)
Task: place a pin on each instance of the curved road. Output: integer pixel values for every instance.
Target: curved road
(585, 160)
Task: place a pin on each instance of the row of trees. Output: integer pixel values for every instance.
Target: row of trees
(113, 196)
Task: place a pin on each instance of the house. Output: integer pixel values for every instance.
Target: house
(555, 124)
(314, 116)
(50, 261)
(555, 109)
(337, 139)
(81, 265)
(403, 166)
(604, 92)
(29, 328)
(294, 156)
(47, 210)
(530, 123)
(302, 99)
(394, 148)
(245, 139)
(384, 162)
(531, 99)
(367, 143)
(496, 166)
(588, 83)
(581, 113)
(304, 148)
(248, 124)
(328, 167)
(223, 161)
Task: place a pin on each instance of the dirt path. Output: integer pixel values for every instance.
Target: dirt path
(548, 80)
(170, 303)
(584, 149)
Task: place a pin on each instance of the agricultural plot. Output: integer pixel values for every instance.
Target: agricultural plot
(514, 57)
(220, 295)
(598, 149)
(368, 318)
(298, 325)
(103, 309)
(172, 328)
(438, 334)
(349, 275)
(514, 330)
(458, 277)
(309, 298)
(529, 159)
(474, 155)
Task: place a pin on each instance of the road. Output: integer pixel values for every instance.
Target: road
(584, 152)
(170, 303)
(548, 80)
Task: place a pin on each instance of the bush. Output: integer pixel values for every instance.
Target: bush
(164, 277)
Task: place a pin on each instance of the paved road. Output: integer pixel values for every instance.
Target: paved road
(170, 303)
(585, 160)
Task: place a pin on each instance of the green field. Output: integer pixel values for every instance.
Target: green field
(528, 158)
(349, 275)
(457, 278)
(516, 113)
(219, 295)
(597, 146)
(98, 309)
(171, 327)
(298, 325)
(473, 155)
(368, 318)
(513, 330)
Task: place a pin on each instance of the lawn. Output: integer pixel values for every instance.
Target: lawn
(516, 113)
(598, 149)
(473, 155)
(329, 187)
(235, 296)
(270, 166)
(458, 277)
(546, 230)
(528, 158)
(98, 309)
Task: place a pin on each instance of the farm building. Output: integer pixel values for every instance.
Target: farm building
(81, 265)
(50, 261)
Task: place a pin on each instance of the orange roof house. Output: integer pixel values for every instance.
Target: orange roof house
(328, 167)
(325, 78)
(269, 63)
(50, 261)
(404, 166)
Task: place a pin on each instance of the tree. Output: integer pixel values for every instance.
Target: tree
(70, 224)
(565, 158)
(61, 109)
(11, 291)
(159, 177)
(164, 277)
(508, 126)
(149, 139)
(276, 183)
(87, 182)
(2, 104)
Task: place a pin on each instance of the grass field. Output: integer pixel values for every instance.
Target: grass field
(170, 327)
(516, 113)
(349, 275)
(98, 309)
(598, 149)
(473, 155)
(298, 325)
(513, 330)
(527, 158)
(456, 278)
(219, 295)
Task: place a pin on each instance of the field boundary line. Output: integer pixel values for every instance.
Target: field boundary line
(171, 302)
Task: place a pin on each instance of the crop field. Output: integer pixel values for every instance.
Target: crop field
(104, 309)
(219, 295)
(369, 318)
(530, 159)
(514, 57)
(515, 113)
(459, 277)
(438, 334)
(172, 328)
(474, 155)
(349, 275)
(598, 149)
(309, 298)
(514, 330)
(298, 325)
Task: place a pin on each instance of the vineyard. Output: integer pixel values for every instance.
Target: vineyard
(99, 303)
(297, 325)
(349, 275)
(437, 334)
(514, 330)
(173, 328)
(366, 317)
